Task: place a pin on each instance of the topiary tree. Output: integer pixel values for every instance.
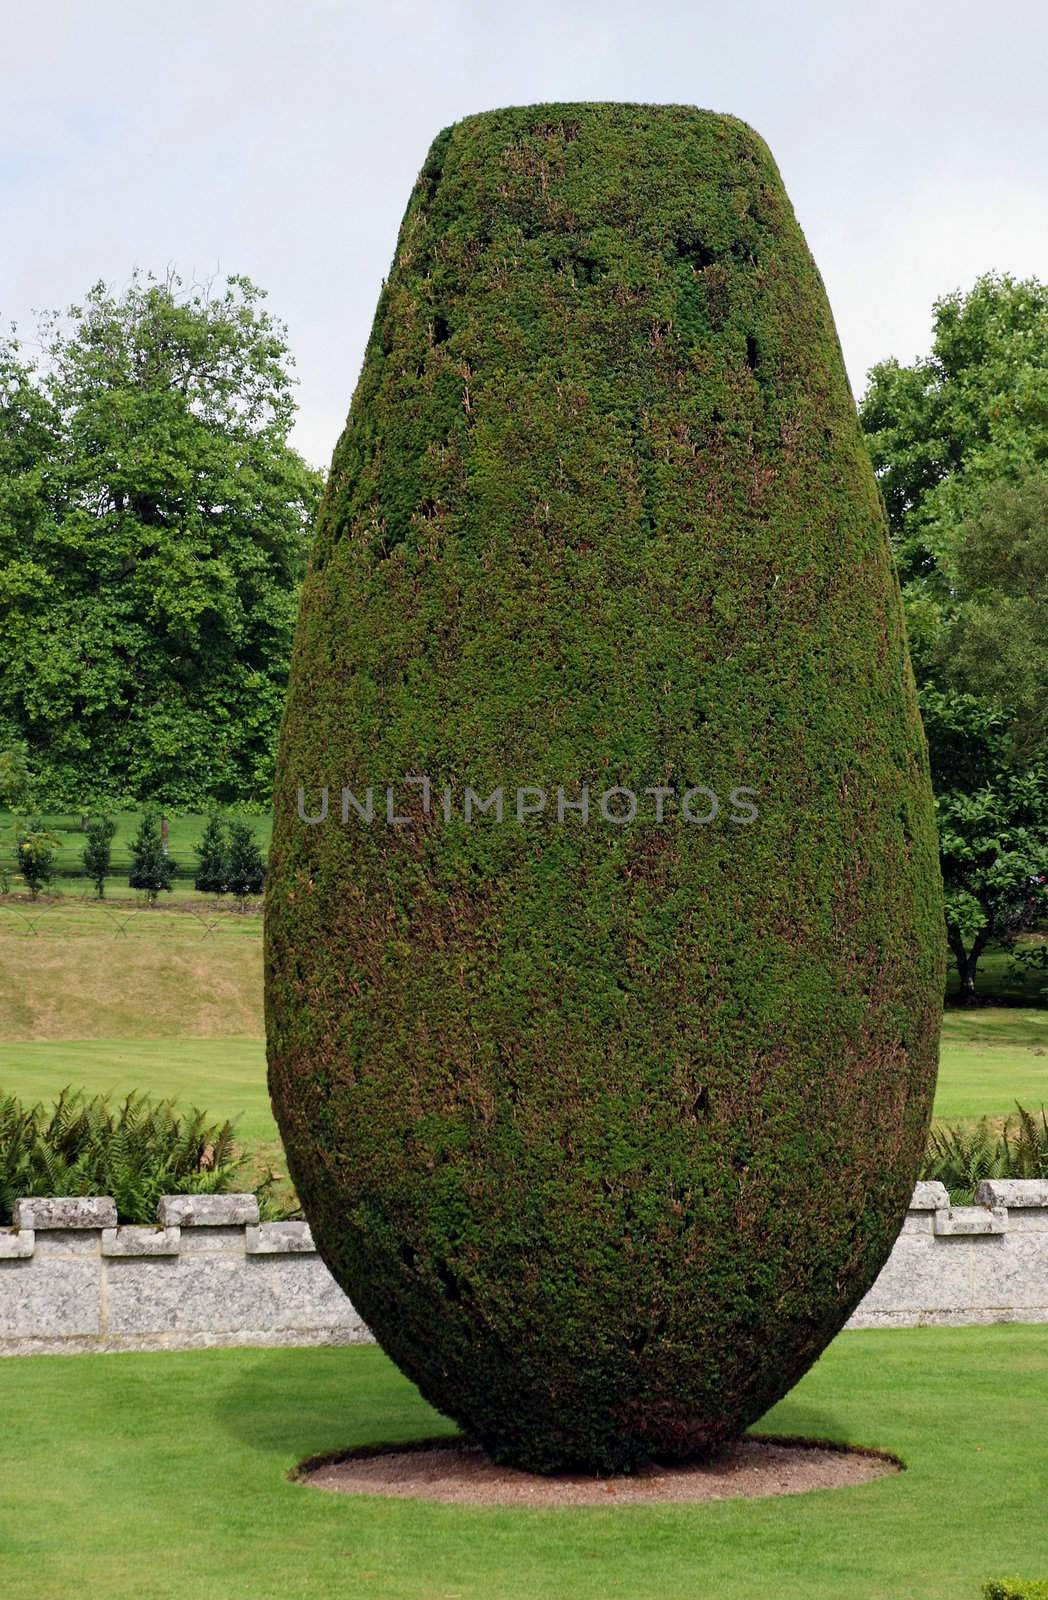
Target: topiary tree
(245, 868)
(606, 1126)
(98, 851)
(210, 876)
(151, 868)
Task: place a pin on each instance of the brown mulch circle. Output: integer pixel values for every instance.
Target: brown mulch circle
(459, 1473)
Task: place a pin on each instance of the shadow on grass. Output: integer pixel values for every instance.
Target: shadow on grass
(305, 1406)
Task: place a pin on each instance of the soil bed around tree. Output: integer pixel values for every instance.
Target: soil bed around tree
(459, 1473)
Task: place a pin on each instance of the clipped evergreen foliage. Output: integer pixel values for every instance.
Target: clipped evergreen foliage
(605, 1128)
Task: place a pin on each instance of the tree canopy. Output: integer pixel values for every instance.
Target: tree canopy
(959, 441)
(154, 523)
(973, 412)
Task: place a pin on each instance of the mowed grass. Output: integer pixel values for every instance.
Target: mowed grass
(992, 1057)
(225, 1077)
(73, 971)
(144, 1477)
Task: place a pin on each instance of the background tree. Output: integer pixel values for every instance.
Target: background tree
(210, 876)
(995, 644)
(153, 530)
(245, 870)
(151, 869)
(973, 412)
(993, 830)
(15, 779)
(97, 852)
(960, 444)
(35, 852)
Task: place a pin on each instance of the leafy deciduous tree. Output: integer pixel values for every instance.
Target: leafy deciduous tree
(971, 413)
(15, 780)
(960, 443)
(153, 529)
(993, 830)
(996, 643)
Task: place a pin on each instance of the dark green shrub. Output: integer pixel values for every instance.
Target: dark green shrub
(135, 1151)
(245, 868)
(605, 1128)
(1016, 1589)
(151, 868)
(210, 876)
(98, 851)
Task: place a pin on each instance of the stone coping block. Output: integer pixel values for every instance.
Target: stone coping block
(137, 1241)
(90, 1211)
(279, 1238)
(1013, 1192)
(207, 1210)
(16, 1244)
(929, 1196)
(957, 1220)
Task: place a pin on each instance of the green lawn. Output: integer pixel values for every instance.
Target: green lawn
(226, 1077)
(988, 1061)
(151, 1477)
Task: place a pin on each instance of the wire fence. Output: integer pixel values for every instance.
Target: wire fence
(72, 917)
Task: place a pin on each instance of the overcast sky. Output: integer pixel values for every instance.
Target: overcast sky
(282, 139)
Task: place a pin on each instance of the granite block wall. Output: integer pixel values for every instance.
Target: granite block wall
(210, 1273)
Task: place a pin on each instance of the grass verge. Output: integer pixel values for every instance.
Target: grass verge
(161, 1476)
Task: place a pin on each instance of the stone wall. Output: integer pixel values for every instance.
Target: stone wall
(966, 1264)
(211, 1274)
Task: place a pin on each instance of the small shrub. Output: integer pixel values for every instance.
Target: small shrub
(98, 851)
(35, 848)
(245, 868)
(136, 1152)
(1016, 1589)
(151, 869)
(210, 875)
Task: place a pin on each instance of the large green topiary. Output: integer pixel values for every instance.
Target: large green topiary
(605, 1127)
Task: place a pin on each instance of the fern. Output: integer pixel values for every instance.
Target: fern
(962, 1157)
(135, 1152)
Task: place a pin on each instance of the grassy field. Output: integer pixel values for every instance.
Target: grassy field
(164, 976)
(991, 1057)
(144, 1477)
(226, 1077)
